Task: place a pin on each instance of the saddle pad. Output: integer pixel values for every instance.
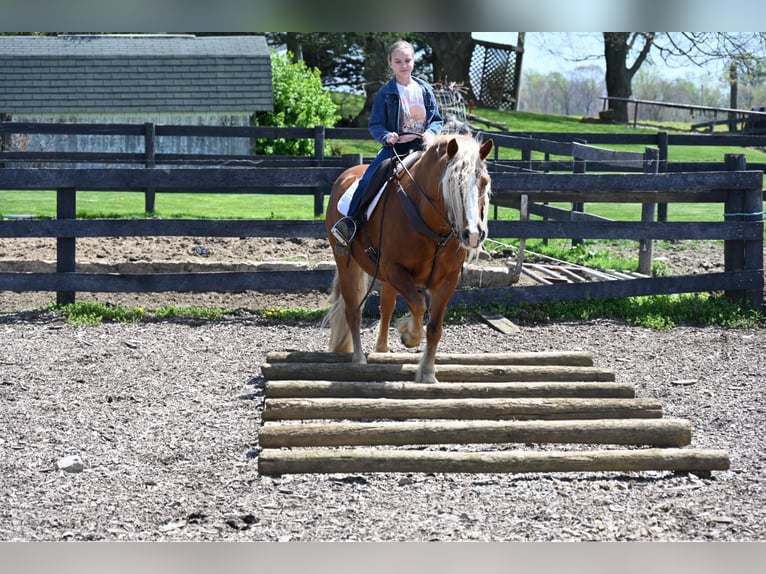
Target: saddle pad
(345, 199)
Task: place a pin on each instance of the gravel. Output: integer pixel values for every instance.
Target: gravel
(149, 432)
(164, 418)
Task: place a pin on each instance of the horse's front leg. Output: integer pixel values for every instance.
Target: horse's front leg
(411, 326)
(387, 304)
(426, 371)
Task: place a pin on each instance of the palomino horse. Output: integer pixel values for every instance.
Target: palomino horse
(431, 216)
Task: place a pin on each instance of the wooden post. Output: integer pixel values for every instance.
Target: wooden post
(468, 409)
(460, 373)
(319, 139)
(149, 163)
(579, 167)
(66, 208)
(753, 249)
(452, 390)
(662, 145)
(734, 209)
(274, 461)
(571, 358)
(526, 157)
(654, 432)
(646, 246)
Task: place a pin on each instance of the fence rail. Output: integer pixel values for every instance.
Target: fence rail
(736, 188)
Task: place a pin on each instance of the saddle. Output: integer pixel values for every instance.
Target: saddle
(386, 171)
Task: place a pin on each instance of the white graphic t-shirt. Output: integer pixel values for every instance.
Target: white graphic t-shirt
(412, 118)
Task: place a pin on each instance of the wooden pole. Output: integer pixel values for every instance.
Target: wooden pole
(489, 409)
(646, 246)
(150, 162)
(66, 247)
(570, 358)
(273, 461)
(655, 432)
(734, 210)
(406, 390)
(406, 372)
(753, 250)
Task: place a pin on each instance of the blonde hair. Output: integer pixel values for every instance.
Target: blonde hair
(402, 45)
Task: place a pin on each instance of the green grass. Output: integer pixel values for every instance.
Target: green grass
(262, 206)
(660, 312)
(95, 205)
(89, 313)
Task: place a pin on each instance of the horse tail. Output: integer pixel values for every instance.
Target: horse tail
(335, 318)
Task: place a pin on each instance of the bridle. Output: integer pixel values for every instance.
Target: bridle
(414, 216)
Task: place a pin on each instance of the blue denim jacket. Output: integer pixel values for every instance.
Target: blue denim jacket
(384, 117)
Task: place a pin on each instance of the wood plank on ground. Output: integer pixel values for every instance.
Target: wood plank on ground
(280, 461)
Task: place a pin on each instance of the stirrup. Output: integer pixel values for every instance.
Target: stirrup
(344, 230)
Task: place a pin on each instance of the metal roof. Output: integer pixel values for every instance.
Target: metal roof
(134, 73)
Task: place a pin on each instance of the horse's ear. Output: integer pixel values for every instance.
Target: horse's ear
(485, 148)
(452, 148)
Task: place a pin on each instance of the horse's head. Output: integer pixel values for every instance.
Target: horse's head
(466, 188)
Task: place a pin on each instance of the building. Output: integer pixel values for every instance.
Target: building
(169, 79)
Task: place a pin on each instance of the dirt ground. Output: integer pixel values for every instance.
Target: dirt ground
(149, 431)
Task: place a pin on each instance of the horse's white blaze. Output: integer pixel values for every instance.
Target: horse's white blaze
(460, 186)
(472, 215)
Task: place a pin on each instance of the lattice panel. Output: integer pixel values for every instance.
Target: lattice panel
(493, 75)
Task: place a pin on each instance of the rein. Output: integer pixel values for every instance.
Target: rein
(414, 215)
(416, 219)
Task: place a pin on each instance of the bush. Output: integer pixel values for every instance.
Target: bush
(299, 102)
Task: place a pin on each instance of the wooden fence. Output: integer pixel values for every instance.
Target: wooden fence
(737, 189)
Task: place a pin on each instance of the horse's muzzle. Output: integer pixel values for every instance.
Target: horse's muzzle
(473, 240)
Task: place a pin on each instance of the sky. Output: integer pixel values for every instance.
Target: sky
(546, 52)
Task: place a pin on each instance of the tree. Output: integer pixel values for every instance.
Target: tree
(299, 101)
(358, 60)
(626, 52)
(452, 52)
(587, 84)
(618, 47)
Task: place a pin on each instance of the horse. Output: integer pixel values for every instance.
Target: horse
(431, 216)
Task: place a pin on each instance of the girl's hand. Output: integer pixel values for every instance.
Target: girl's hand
(408, 138)
(392, 138)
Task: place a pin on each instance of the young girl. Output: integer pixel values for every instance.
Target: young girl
(404, 117)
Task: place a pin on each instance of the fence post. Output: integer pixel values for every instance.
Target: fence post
(734, 210)
(662, 146)
(646, 246)
(66, 208)
(149, 163)
(753, 203)
(579, 167)
(319, 138)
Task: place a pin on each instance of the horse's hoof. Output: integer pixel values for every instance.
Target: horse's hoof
(425, 378)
